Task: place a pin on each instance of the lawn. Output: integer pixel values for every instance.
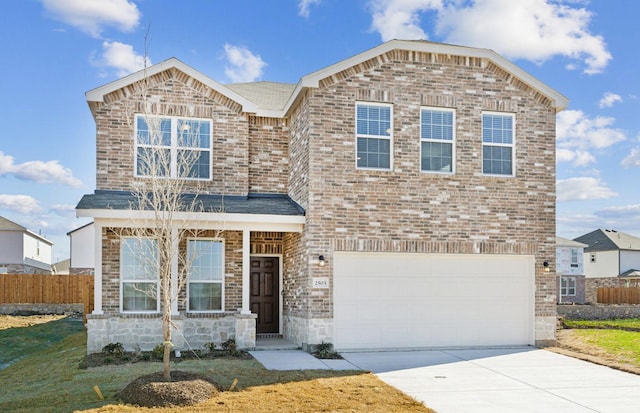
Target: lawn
(47, 377)
(615, 343)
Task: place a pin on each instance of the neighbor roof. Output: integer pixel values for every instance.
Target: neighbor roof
(609, 240)
(7, 225)
(253, 97)
(564, 242)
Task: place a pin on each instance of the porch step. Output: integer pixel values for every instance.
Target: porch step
(274, 343)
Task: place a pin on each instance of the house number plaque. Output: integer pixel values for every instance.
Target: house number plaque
(320, 282)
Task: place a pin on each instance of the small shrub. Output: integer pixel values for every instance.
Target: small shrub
(210, 347)
(158, 352)
(325, 351)
(231, 347)
(113, 349)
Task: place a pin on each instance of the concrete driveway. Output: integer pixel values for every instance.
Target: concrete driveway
(503, 380)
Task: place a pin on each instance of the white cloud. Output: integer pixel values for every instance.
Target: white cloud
(535, 30)
(23, 204)
(243, 66)
(400, 19)
(38, 171)
(121, 57)
(609, 99)
(632, 160)
(93, 16)
(582, 189)
(63, 209)
(578, 134)
(620, 212)
(303, 7)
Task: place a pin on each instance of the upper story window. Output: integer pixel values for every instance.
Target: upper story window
(173, 147)
(139, 275)
(498, 150)
(374, 134)
(437, 135)
(205, 288)
(574, 257)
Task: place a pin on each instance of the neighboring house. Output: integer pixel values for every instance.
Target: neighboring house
(401, 198)
(570, 271)
(23, 251)
(82, 249)
(61, 267)
(612, 259)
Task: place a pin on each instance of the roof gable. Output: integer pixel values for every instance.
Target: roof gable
(565, 242)
(97, 95)
(512, 73)
(609, 240)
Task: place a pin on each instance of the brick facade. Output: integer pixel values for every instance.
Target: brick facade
(309, 154)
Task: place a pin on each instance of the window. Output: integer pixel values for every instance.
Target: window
(568, 286)
(574, 258)
(436, 140)
(139, 275)
(173, 147)
(497, 144)
(374, 132)
(205, 290)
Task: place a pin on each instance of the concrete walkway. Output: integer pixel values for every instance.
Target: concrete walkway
(522, 380)
(297, 360)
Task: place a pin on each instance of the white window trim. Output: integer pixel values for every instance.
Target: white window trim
(565, 290)
(512, 145)
(222, 280)
(390, 137)
(173, 173)
(452, 141)
(122, 282)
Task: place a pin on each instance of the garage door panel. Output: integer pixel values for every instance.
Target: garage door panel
(432, 300)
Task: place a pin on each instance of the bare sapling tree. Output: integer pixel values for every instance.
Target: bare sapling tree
(165, 201)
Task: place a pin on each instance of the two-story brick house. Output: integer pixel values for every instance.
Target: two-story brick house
(401, 198)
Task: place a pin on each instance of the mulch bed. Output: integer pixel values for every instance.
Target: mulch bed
(184, 389)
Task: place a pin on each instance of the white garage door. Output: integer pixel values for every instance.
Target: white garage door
(389, 300)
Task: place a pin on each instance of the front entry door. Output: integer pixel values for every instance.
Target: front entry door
(265, 294)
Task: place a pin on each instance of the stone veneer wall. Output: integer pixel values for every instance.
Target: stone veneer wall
(23, 269)
(598, 311)
(463, 212)
(145, 332)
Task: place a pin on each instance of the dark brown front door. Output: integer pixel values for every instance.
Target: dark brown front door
(265, 294)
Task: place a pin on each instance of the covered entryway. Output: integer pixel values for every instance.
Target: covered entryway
(265, 294)
(415, 300)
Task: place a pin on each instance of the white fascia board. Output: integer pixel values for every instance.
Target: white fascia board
(313, 80)
(253, 222)
(97, 94)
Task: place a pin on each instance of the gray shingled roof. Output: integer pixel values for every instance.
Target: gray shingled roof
(266, 95)
(609, 240)
(268, 204)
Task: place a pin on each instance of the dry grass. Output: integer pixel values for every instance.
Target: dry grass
(359, 393)
(8, 321)
(50, 380)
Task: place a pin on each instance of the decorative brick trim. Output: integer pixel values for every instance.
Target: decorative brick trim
(418, 246)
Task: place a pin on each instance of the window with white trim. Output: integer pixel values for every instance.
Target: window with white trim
(568, 286)
(173, 147)
(574, 257)
(437, 136)
(374, 135)
(498, 149)
(205, 290)
(139, 275)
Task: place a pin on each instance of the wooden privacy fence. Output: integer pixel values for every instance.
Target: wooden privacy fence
(623, 295)
(47, 289)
